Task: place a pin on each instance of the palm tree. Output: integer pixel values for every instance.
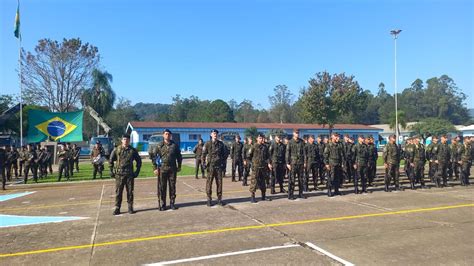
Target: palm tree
(402, 120)
(100, 96)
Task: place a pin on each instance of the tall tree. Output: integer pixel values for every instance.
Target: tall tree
(433, 126)
(219, 111)
(56, 73)
(280, 104)
(246, 112)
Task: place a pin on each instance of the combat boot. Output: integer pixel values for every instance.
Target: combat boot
(130, 209)
(273, 191)
(220, 202)
(337, 192)
(252, 198)
(282, 190)
(116, 211)
(412, 185)
(330, 194)
(209, 203)
(172, 206)
(265, 198)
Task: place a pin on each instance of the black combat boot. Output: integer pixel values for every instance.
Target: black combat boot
(273, 191)
(220, 202)
(209, 203)
(130, 209)
(172, 206)
(412, 185)
(282, 190)
(116, 211)
(265, 198)
(252, 198)
(330, 194)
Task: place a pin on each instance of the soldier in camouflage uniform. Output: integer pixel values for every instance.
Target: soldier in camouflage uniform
(166, 168)
(15, 156)
(70, 159)
(30, 157)
(456, 149)
(277, 159)
(236, 149)
(417, 161)
(466, 161)
(321, 167)
(62, 160)
(409, 168)
(213, 156)
(349, 164)
(197, 155)
(21, 159)
(431, 150)
(3, 160)
(312, 161)
(391, 159)
(75, 157)
(360, 153)
(124, 155)
(295, 163)
(8, 163)
(247, 162)
(334, 161)
(442, 159)
(372, 163)
(260, 157)
(96, 159)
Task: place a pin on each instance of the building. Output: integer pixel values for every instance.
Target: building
(190, 132)
(467, 131)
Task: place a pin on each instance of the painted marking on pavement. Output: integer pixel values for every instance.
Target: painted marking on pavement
(14, 195)
(14, 220)
(233, 229)
(223, 255)
(329, 254)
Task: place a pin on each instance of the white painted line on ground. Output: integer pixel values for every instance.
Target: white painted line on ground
(327, 253)
(223, 255)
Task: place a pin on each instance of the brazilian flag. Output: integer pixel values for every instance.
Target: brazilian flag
(65, 127)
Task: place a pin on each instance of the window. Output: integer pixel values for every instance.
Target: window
(146, 137)
(195, 137)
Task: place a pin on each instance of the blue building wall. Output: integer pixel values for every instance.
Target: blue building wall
(189, 136)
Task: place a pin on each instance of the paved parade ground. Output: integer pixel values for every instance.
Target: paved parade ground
(72, 224)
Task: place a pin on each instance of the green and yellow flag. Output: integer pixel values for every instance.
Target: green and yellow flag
(17, 22)
(66, 127)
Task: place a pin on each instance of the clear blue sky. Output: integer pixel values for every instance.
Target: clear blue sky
(242, 49)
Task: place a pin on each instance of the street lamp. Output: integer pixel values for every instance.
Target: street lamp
(395, 33)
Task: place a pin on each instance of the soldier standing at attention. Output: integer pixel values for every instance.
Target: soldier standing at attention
(236, 150)
(466, 161)
(70, 159)
(15, 156)
(75, 157)
(442, 159)
(409, 169)
(214, 154)
(197, 155)
(170, 155)
(277, 156)
(96, 156)
(312, 161)
(334, 160)
(62, 157)
(417, 161)
(372, 163)
(8, 162)
(260, 157)
(121, 168)
(247, 162)
(391, 158)
(295, 163)
(30, 157)
(456, 149)
(431, 152)
(21, 159)
(321, 166)
(349, 164)
(360, 160)
(3, 160)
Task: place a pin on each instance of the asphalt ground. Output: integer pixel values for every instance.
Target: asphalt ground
(421, 227)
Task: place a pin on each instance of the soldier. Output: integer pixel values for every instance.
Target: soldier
(15, 156)
(3, 160)
(431, 150)
(349, 164)
(226, 156)
(294, 159)
(391, 159)
(442, 159)
(21, 159)
(360, 153)
(30, 157)
(8, 162)
(123, 172)
(41, 162)
(312, 161)
(372, 163)
(62, 161)
(75, 158)
(334, 160)
(214, 154)
(321, 167)
(70, 159)
(247, 162)
(166, 168)
(466, 161)
(277, 152)
(46, 160)
(197, 155)
(417, 161)
(236, 150)
(260, 157)
(409, 169)
(97, 158)
(456, 149)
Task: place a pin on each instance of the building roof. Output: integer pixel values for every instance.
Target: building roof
(471, 127)
(387, 130)
(152, 124)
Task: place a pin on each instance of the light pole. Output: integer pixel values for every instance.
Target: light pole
(395, 33)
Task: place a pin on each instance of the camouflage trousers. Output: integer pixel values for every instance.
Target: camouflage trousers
(258, 179)
(167, 178)
(214, 172)
(121, 182)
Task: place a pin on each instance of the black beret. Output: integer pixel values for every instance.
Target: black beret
(127, 136)
(215, 131)
(167, 130)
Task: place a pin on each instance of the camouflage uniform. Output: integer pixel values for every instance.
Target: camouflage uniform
(62, 157)
(124, 174)
(431, 150)
(418, 159)
(409, 170)
(312, 161)
(334, 157)
(360, 152)
(349, 161)
(391, 157)
(171, 160)
(260, 157)
(443, 158)
(198, 162)
(277, 156)
(236, 149)
(3, 160)
(295, 158)
(30, 157)
(248, 163)
(456, 150)
(75, 158)
(466, 162)
(321, 167)
(213, 156)
(98, 166)
(372, 163)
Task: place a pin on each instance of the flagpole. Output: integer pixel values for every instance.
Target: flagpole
(21, 92)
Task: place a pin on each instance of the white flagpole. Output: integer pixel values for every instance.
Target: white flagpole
(21, 92)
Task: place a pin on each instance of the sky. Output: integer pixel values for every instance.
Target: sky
(242, 49)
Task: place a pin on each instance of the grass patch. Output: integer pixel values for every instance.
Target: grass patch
(86, 170)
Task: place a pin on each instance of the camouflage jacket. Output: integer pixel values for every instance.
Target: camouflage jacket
(169, 153)
(295, 152)
(311, 152)
(259, 155)
(277, 153)
(391, 154)
(443, 153)
(214, 154)
(334, 154)
(121, 161)
(360, 153)
(198, 151)
(236, 149)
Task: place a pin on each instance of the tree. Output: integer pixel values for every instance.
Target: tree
(56, 73)
(251, 132)
(402, 121)
(118, 118)
(245, 112)
(433, 126)
(219, 111)
(280, 105)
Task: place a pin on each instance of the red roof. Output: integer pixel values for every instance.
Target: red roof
(153, 124)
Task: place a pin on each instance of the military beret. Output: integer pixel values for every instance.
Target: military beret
(295, 130)
(97, 142)
(126, 136)
(237, 136)
(260, 134)
(361, 136)
(167, 130)
(215, 131)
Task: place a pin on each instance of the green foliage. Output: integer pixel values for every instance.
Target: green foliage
(251, 131)
(281, 105)
(118, 118)
(433, 126)
(402, 120)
